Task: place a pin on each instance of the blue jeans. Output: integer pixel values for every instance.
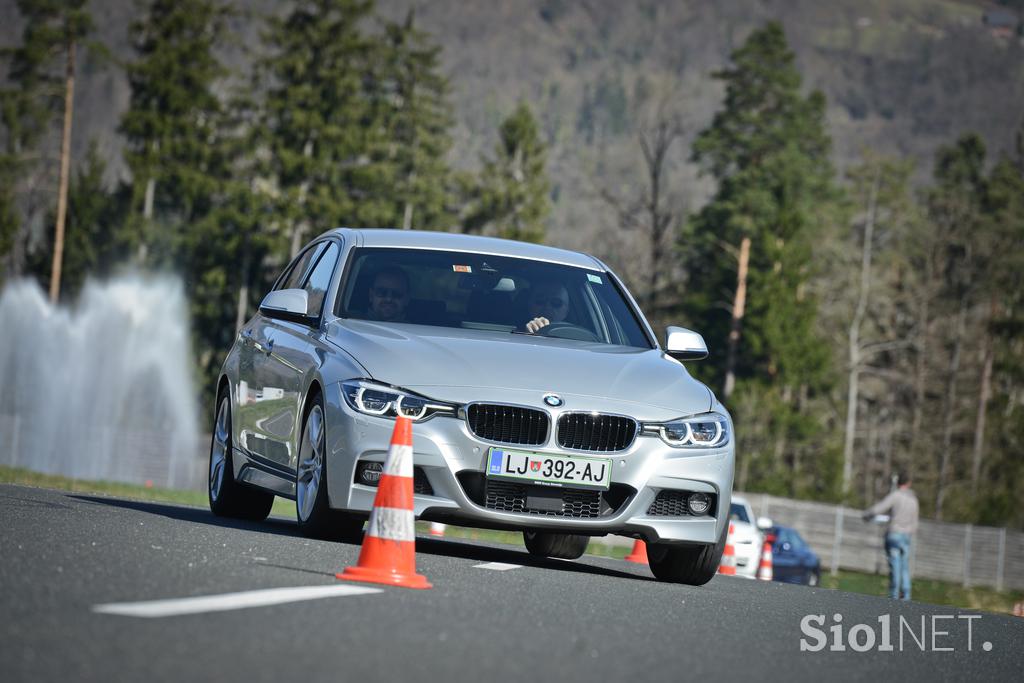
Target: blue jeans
(897, 547)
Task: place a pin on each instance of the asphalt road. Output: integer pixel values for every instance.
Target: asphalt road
(63, 554)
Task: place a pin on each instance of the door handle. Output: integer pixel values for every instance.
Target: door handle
(270, 346)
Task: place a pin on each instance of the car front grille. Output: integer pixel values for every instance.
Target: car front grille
(673, 504)
(511, 497)
(590, 432)
(508, 424)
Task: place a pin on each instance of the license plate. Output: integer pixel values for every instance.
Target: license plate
(546, 468)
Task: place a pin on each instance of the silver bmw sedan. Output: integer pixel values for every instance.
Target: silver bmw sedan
(541, 399)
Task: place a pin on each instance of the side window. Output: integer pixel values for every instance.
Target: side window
(300, 267)
(320, 279)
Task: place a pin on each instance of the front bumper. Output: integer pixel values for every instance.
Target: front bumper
(444, 447)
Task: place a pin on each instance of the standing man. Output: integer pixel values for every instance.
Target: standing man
(902, 508)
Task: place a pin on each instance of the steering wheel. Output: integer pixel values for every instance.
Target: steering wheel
(564, 330)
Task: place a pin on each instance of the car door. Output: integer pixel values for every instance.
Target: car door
(263, 408)
(786, 564)
(808, 559)
(291, 358)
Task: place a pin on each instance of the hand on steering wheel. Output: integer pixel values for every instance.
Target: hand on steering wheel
(535, 325)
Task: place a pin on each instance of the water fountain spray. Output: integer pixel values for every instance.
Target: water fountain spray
(103, 390)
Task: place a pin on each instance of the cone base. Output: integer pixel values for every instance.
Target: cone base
(639, 553)
(366, 575)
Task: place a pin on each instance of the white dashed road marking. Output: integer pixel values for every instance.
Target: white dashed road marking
(229, 601)
(498, 566)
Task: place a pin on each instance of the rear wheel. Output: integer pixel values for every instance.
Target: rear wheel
(562, 546)
(227, 497)
(313, 512)
(693, 565)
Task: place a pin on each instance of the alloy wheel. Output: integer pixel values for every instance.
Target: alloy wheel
(311, 463)
(219, 450)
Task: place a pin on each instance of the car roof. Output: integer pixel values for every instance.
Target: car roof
(425, 239)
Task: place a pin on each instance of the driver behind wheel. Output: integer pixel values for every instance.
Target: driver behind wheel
(548, 303)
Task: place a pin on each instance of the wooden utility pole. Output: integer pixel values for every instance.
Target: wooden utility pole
(65, 169)
(738, 305)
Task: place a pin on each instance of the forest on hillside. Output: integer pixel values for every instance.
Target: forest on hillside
(865, 311)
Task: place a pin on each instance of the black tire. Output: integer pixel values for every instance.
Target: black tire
(321, 521)
(227, 497)
(562, 546)
(692, 565)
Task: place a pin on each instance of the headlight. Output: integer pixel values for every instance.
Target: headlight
(710, 430)
(380, 400)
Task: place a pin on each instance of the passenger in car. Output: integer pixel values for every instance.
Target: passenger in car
(389, 295)
(548, 303)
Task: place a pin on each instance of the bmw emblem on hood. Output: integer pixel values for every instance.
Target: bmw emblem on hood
(553, 400)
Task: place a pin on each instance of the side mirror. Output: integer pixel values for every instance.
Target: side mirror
(286, 304)
(683, 344)
(764, 523)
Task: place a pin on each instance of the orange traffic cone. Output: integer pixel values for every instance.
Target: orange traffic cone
(639, 553)
(388, 554)
(764, 570)
(728, 565)
(436, 529)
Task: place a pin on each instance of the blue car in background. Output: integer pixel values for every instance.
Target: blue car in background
(792, 559)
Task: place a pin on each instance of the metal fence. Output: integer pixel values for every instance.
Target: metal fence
(99, 453)
(963, 553)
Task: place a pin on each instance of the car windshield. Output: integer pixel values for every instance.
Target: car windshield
(485, 292)
(738, 513)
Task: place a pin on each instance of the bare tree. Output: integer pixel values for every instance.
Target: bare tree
(854, 344)
(653, 209)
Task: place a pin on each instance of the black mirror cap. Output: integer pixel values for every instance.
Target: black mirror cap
(280, 314)
(683, 356)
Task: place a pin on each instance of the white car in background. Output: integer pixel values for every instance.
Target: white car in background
(747, 537)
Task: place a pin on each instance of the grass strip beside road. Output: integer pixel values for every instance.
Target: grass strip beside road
(925, 590)
(17, 475)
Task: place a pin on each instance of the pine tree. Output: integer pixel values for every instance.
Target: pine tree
(996, 464)
(768, 149)
(316, 119)
(171, 123)
(234, 250)
(511, 198)
(954, 206)
(412, 104)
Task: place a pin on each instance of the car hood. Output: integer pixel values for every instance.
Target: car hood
(420, 357)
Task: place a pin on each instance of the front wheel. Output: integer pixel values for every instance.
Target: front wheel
(693, 565)
(227, 497)
(562, 546)
(313, 512)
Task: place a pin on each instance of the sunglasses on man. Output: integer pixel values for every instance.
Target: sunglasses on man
(388, 293)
